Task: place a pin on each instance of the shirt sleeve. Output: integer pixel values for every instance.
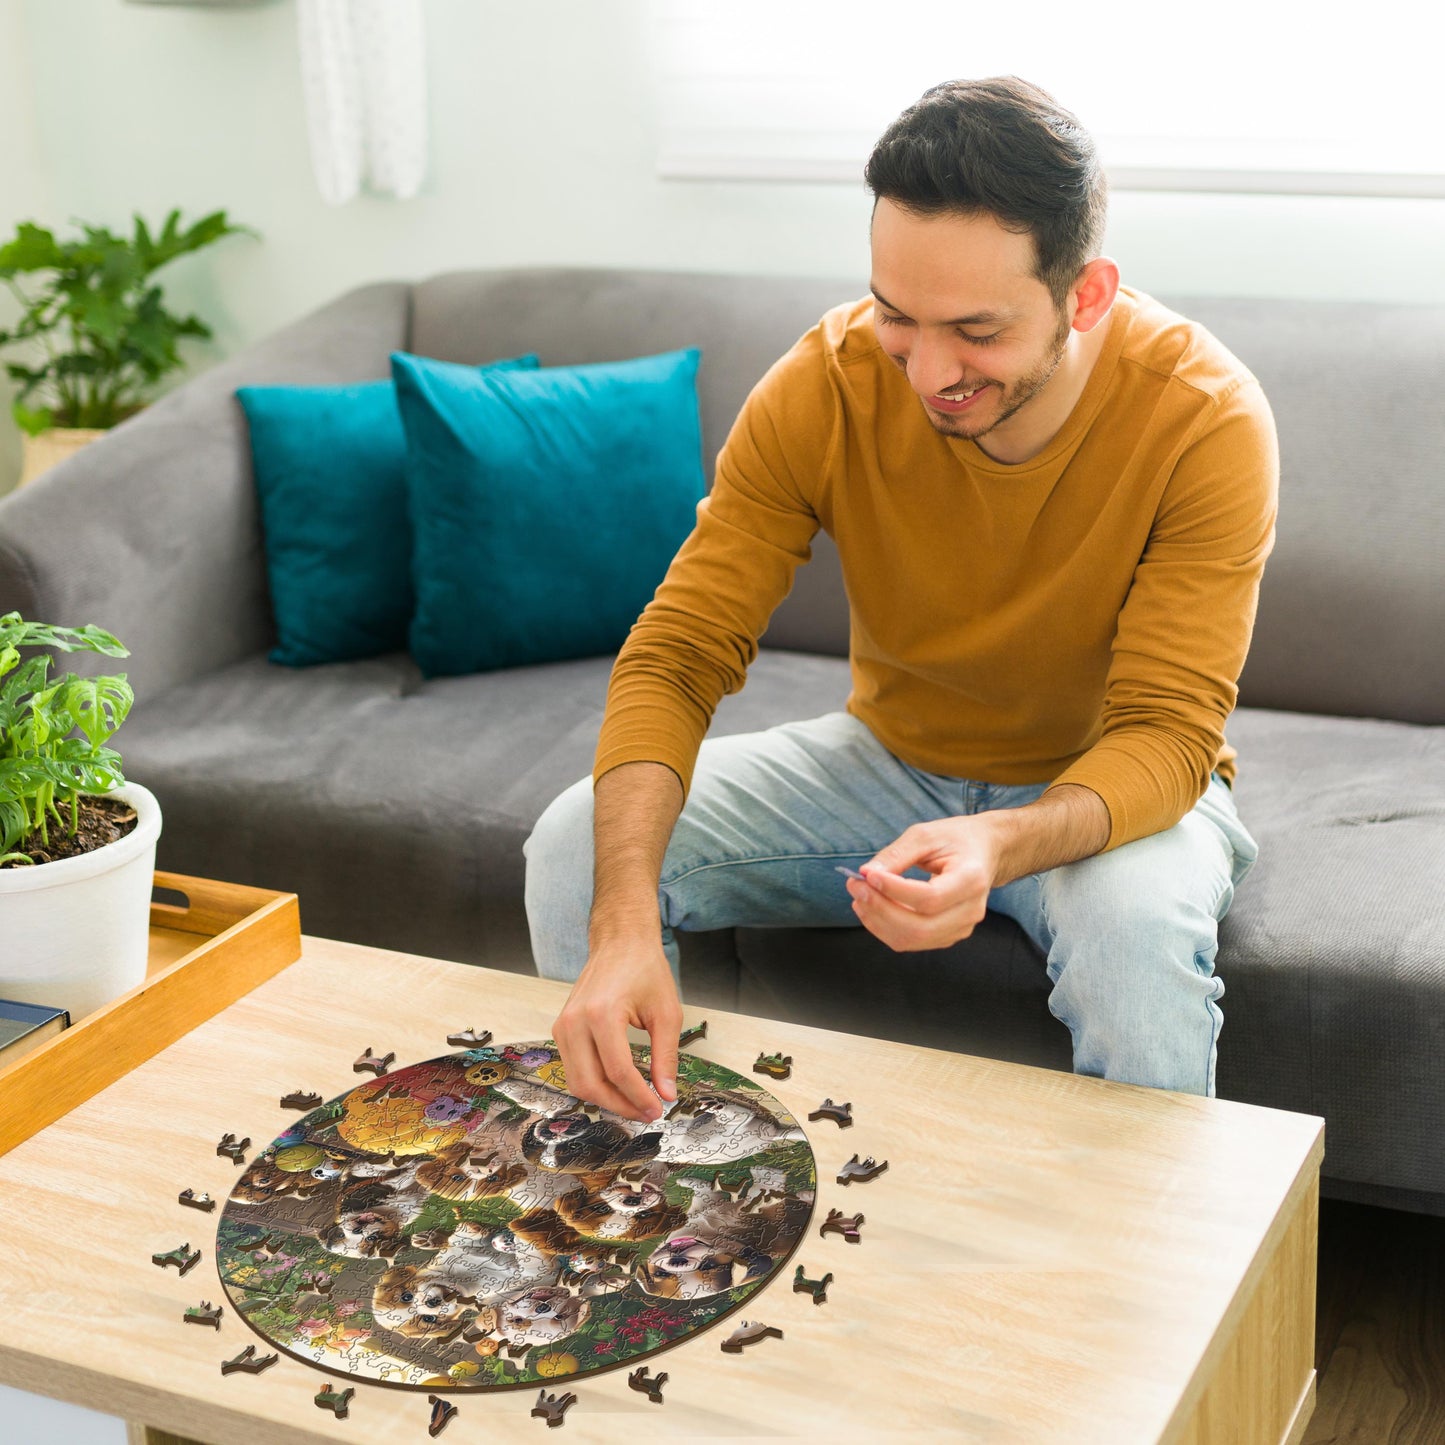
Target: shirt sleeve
(697, 637)
(1185, 626)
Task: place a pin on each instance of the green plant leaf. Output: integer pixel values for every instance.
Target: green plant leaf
(108, 337)
(96, 705)
(33, 249)
(89, 638)
(32, 421)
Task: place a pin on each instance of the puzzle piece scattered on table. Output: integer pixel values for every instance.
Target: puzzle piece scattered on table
(248, 1362)
(182, 1256)
(839, 1223)
(377, 1066)
(748, 1333)
(863, 1172)
(775, 1066)
(840, 1114)
(304, 1102)
(818, 1288)
(470, 1039)
(441, 1411)
(329, 1399)
(204, 1313)
(228, 1148)
(190, 1198)
(552, 1408)
(651, 1386)
(690, 1036)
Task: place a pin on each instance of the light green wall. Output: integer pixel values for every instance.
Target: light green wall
(542, 151)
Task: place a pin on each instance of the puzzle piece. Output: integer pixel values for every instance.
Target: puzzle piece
(470, 1039)
(692, 1035)
(818, 1288)
(228, 1148)
(248, 1362)
(204, 1313)
(838, 1223)
(196, 1201)
(377, 1066)
(304, 1102)
(182, 1256)
(441, 1411)
(863, 1172)
(552, 1408)
(840, 1114)
(776, 1066)
(650, 1386)
(748, 1334)
(329, 1399)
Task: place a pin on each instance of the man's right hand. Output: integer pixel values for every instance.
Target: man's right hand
(625, 982)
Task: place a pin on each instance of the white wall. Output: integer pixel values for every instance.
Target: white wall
(24, 194)
(542, 151)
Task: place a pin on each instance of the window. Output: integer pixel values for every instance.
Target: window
(1261, 96)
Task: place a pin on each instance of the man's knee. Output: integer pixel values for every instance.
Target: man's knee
(1151, 888)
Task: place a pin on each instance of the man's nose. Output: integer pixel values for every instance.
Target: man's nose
(932, 367)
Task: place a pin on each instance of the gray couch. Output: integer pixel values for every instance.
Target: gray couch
(331, 781)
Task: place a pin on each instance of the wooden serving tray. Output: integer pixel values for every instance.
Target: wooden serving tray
(206, 952)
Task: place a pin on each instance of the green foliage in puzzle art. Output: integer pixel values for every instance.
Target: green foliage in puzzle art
(439, 1213)
(795, 1160)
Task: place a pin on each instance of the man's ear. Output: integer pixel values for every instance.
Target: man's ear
(1097, 286)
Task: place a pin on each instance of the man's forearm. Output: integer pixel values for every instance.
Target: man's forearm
(1067, 823)
(635, 808)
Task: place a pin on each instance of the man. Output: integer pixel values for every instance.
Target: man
(1053, 499)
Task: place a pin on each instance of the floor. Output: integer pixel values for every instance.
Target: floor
(1380, 1328)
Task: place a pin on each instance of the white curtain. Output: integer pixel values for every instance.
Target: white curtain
(363, 76)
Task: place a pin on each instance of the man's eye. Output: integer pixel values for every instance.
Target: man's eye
(981, 340)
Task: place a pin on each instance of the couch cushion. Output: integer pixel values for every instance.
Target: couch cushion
(1334, 950)
(396, 807)
(546, 505)
(330, 469)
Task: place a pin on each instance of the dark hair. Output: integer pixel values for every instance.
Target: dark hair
(1005, 147)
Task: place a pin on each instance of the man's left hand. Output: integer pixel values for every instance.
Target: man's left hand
(909, 914)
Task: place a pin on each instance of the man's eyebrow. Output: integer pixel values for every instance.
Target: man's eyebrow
(979, 318)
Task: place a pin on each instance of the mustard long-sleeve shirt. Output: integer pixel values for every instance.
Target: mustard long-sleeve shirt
(1081, 617)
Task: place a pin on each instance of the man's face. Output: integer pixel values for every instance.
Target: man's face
(958, 307)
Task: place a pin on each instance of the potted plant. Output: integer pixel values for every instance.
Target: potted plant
(77, 842)
(98, 337)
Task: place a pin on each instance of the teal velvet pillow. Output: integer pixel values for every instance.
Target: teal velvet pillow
(330, 467)
(545, 505)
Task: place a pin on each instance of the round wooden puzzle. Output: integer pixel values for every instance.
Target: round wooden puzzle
(467, 1223)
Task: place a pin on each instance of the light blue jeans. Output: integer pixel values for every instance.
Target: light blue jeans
(1129, 936)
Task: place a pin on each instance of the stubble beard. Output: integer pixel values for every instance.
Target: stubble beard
(1021, 391)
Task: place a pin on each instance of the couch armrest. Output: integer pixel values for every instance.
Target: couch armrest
(153, 532)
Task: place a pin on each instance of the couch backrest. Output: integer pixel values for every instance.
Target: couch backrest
(1352, 608)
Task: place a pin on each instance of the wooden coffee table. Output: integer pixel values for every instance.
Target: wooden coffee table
(1047, 1258)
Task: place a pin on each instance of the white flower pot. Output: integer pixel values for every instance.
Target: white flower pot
(75, 933)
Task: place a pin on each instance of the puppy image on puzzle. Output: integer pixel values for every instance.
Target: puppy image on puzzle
(465, 1223)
